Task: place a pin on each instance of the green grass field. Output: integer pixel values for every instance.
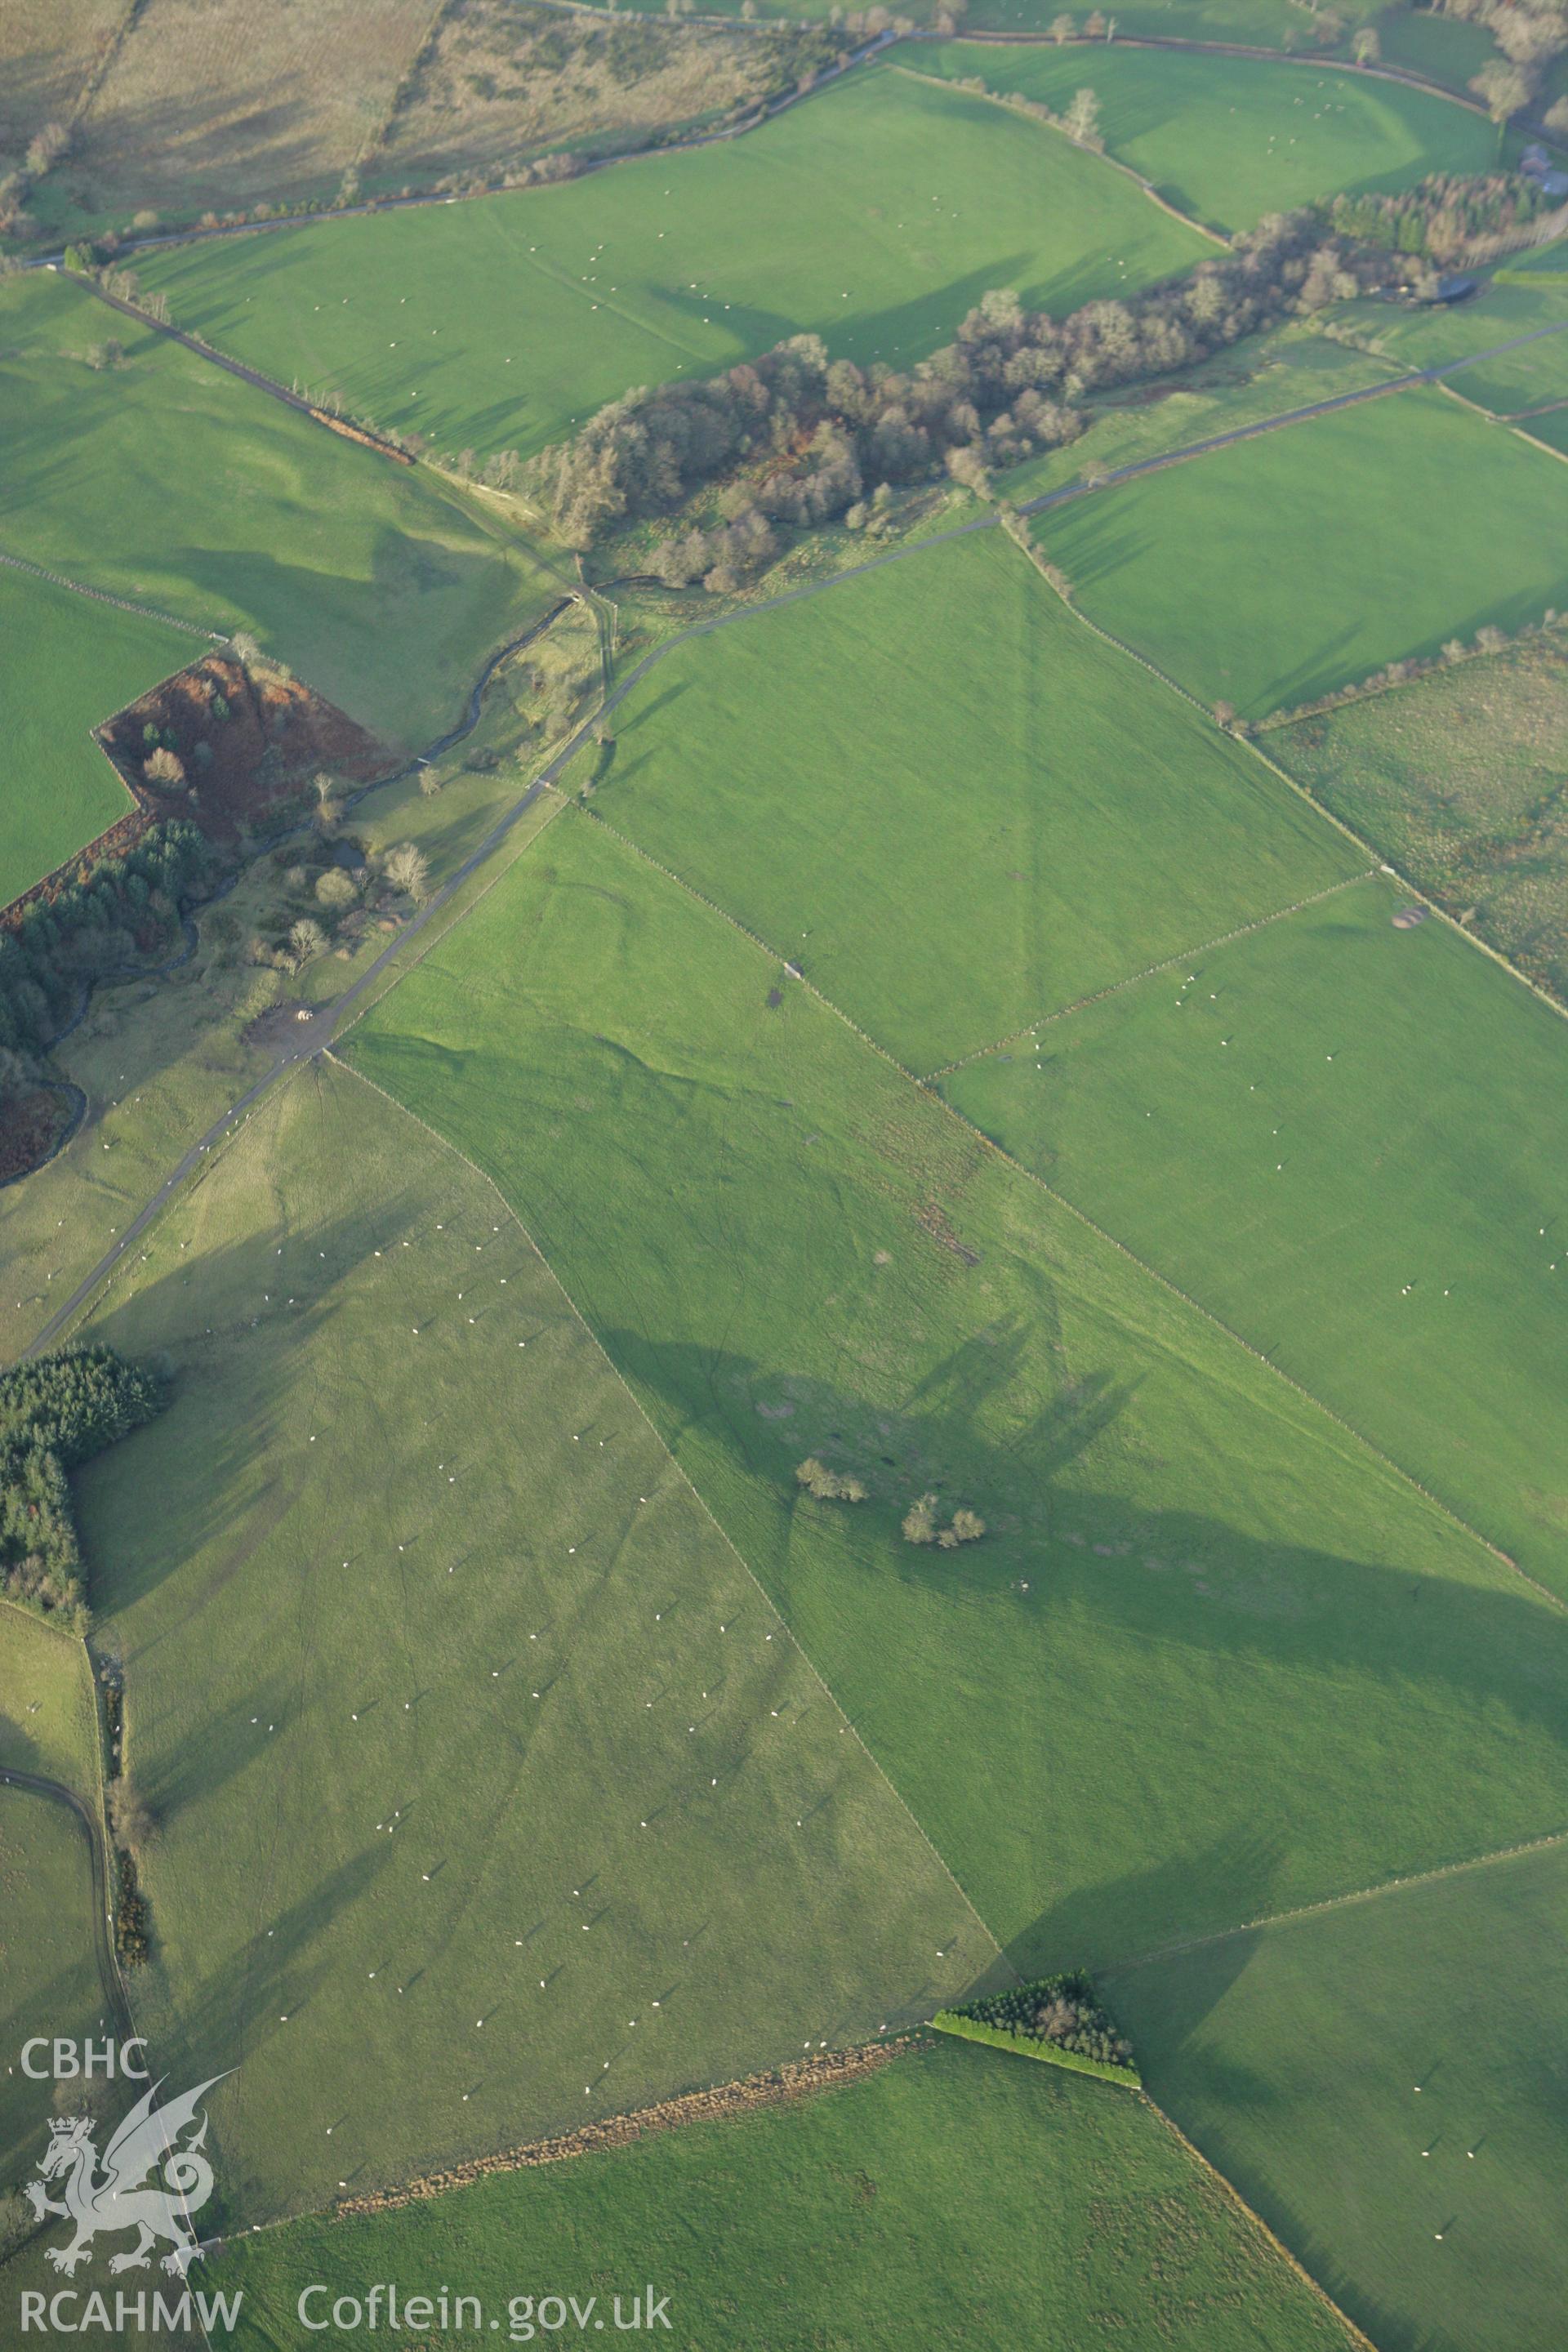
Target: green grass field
(952, 2196)
(1510, 305)
(1291, 2057)
(1348, 1140)
(499, 1790)
(46, 1702)
(1266, 376)
(1445, 47)
(1552, 429)
(1462, 779)
(373, 584)
(905, 204)
(1521, 380)
(1275, 571)
(948, 802)
(408, 1667)
(1229, 139)
(48, 1973)
(1542, 260)
(160, 1059)
(1261, 23)
(70, 662)
(1205, 1621)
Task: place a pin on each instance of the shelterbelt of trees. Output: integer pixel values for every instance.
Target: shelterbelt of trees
(120, 912)
(54, 1414)
(808, 439)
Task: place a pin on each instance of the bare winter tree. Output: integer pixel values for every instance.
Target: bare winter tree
(408, 869)
(1081, 121)
(1505, 88)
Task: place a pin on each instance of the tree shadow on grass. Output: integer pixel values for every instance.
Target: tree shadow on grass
(1070, 1571)
(641, 712)
(1092, 1927)
(119, 1492)
(225, 2022)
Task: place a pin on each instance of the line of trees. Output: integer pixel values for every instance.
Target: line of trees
(49, 144)
(798, 438)
(1442, 216)
(1489, 639)
(1081, 123)
(806, 439)
(55, 1413)
(1529, 34)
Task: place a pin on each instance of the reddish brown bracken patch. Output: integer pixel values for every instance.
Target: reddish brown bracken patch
(30, 1127)
(257, 763)
(278, 733)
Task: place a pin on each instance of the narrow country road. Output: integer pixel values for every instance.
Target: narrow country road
(317, 1035)
(1109, 479)
(203, 351)
(765, 112)
(1378, 71)
(156, 240)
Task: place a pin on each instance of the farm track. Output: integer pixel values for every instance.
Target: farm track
(1408, 75)
(321, 1040)
(765, 113)
(206, 352)
(55, 1793)
(124, 974)
(841, 2067)
(319, 1035)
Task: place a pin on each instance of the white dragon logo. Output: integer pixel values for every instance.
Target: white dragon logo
(119, 2197)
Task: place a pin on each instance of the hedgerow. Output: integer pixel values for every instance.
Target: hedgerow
(130, 1923)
